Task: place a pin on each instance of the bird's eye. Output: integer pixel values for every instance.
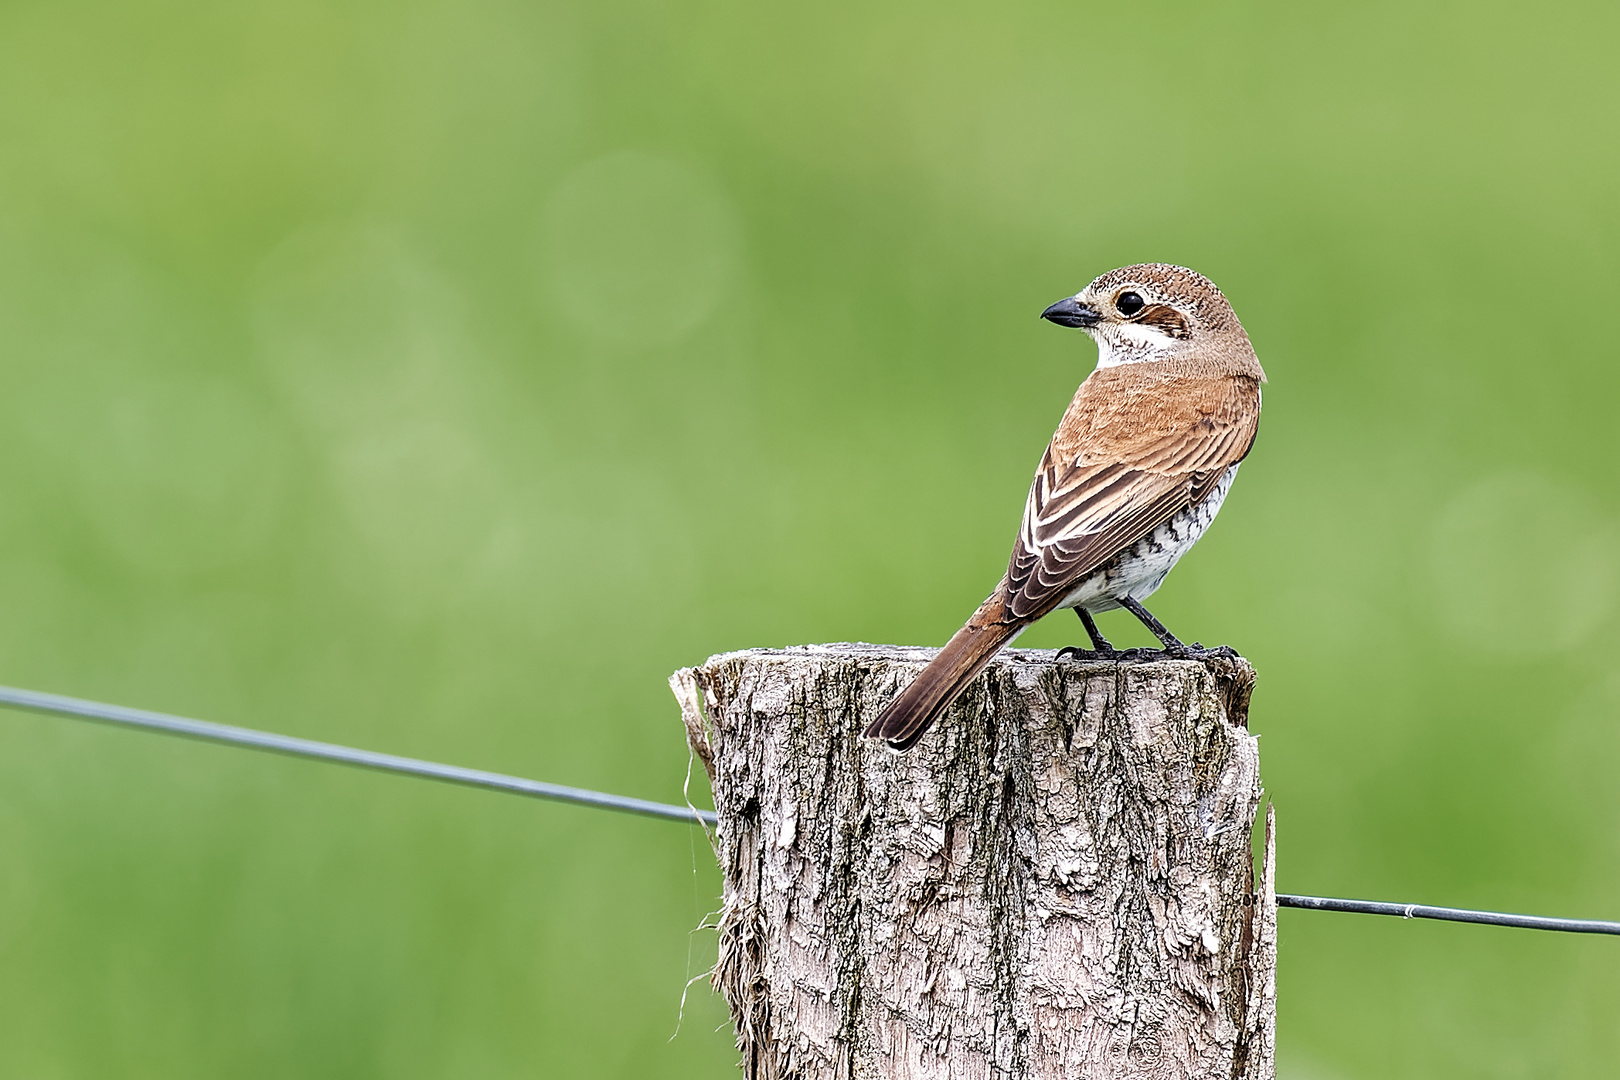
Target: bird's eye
(1129, 303)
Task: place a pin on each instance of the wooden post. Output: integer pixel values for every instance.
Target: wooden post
(1057, 882)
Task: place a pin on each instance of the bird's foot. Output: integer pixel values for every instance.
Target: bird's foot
(1197, 651)
(1178, 651)
(1075, 652)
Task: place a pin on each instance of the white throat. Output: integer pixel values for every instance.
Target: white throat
(1131, 343)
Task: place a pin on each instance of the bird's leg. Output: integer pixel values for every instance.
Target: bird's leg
(1172, 644)
(1155, 627)
(1100, 648)
(1098, 642)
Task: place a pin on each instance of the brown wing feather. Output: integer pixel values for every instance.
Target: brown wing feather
(1122, 463)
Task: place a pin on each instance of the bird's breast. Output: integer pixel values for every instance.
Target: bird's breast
(1140, 569)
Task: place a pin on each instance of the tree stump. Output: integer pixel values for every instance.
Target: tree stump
(1056, 882)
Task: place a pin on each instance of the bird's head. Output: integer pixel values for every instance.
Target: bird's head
(1156, 311)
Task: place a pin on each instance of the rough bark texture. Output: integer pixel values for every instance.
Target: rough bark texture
(1056, 882)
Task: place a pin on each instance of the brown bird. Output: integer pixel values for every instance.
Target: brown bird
(1134, 475)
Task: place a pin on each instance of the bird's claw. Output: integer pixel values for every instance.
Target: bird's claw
(1075, 652)
(1197, 651)
(1178, 651)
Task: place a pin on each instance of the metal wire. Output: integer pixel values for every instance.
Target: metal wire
(58, 705)
(1420, 911)
(142, 719)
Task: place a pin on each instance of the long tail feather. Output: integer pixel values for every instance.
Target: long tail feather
(908, 717)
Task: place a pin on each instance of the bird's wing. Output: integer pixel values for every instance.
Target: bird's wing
(1103, 488)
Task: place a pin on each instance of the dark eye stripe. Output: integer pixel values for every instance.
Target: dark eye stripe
(1165, 318)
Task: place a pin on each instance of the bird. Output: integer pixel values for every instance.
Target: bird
(1136, 471)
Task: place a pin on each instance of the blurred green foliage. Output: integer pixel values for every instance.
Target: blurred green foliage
(437, 377)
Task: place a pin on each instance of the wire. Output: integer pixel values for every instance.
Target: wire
(142, 719)
(1449, 914)
(58, 705)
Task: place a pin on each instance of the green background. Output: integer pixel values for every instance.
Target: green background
(437, 377)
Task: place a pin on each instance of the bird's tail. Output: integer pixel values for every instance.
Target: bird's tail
(908, 717)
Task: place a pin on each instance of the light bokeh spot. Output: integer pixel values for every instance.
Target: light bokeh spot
(370, 345)
(637, 248)
(121, 399)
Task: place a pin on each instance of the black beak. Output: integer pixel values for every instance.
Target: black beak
(1072, 312)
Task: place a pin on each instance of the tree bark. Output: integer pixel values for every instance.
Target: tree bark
(1056, 882)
